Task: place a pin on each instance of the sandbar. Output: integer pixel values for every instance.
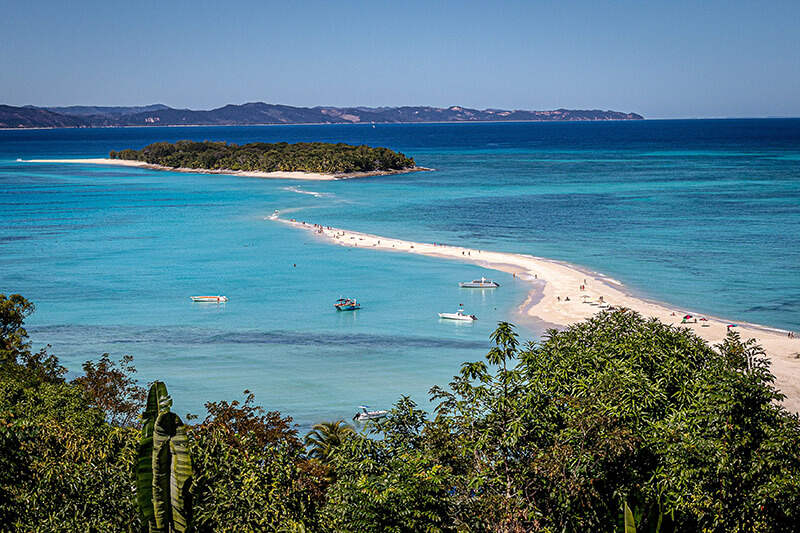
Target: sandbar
(313, 176)
(552, 282)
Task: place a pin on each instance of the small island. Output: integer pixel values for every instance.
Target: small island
(340, 160)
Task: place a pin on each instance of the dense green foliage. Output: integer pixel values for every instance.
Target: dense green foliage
(393, 483)
(252, 473)
(614, 421)
(265, 157)
(63, 468)
(620, 408)
(614, 413)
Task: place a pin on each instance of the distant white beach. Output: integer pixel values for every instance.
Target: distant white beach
(284, 175)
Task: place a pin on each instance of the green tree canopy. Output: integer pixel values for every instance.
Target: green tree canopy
(619, 408)
(560, 435)
(320, 157)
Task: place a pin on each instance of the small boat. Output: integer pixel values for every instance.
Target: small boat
(366, 414)
(215, 299)
(482, 283)
(458, 315)
(346, 304)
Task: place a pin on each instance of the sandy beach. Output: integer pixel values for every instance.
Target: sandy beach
(311, 176)
(557, 299)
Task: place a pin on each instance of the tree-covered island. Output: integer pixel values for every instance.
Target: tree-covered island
(324, 158)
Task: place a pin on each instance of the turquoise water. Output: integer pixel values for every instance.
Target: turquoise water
(701, 214)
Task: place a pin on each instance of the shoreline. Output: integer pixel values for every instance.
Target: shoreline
(552, 282)
(311, 176)
(352, 123)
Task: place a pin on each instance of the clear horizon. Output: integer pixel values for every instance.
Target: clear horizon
(716, 60)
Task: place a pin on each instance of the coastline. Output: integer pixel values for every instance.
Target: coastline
(246, 125)
(552, 282)
(312, 176)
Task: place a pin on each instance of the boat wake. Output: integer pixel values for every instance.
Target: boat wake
(315, 194)
(276, 214)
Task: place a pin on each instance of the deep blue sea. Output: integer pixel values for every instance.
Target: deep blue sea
(701, 214)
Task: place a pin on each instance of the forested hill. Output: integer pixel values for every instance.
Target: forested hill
(261, 113)
(32, 117)
(265, 157)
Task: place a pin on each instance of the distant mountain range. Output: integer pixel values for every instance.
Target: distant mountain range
(261, 113)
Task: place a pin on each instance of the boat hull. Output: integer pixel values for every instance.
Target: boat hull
(212, 299)
(362, 417)
(365, 414)
(347, 304)
(482, 283)
(456, 316)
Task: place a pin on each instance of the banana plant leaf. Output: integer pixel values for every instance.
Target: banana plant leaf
(172, 472)
(627, 517)
(155, 397)
(144, 470)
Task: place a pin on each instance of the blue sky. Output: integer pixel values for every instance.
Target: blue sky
(661, 59)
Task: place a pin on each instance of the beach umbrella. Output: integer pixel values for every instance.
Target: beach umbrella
(585, 297)
(688, 316)
(704, 319)
(732, 326)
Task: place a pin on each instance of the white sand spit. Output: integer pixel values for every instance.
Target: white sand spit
(557, 299)
(141, 164)
(312, 176)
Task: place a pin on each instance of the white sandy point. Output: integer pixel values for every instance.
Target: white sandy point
(554, 280)
(141, 164)
(284, 175)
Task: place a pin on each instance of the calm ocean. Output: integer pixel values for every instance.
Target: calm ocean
(702, 214)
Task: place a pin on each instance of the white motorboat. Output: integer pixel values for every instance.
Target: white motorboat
(214, 299)
(366, 414)
(458, 315)
(482, 283)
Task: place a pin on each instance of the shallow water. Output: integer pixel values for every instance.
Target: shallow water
(700, 214)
